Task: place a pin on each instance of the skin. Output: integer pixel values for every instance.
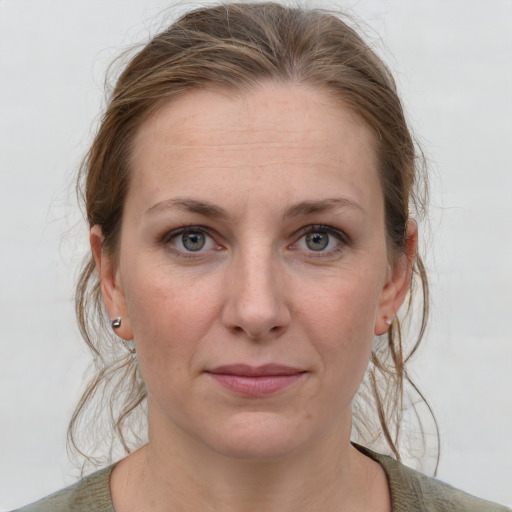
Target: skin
(252, 174)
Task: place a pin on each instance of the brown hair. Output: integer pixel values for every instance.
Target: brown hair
(235, 47)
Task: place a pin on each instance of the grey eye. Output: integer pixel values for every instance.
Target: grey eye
(193, 241)
(317, 241)
(190, 240)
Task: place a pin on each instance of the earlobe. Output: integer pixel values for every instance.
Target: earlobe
(397, 281)
(111, 286)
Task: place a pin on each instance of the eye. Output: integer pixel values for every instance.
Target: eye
(190, 239)
(317, 241)
(193, 241)
(320, 239)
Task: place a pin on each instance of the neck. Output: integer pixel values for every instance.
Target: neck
(282, 483)
(327, 475)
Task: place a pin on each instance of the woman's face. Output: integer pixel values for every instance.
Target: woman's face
(252, 271)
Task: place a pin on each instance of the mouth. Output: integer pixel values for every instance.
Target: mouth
(256, 381)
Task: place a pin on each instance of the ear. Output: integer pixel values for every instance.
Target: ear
(111, 285)
(397, 281)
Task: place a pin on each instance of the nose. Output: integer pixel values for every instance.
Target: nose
(255, 303)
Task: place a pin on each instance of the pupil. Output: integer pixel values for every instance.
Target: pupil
(193, 241)
(317, 241)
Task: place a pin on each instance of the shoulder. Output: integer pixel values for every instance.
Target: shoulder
(413, 491)
(90, 493)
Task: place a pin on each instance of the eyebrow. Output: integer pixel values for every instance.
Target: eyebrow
(189, 205)
(311, 207)
(210, 210)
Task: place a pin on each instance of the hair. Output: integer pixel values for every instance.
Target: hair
(236, 47)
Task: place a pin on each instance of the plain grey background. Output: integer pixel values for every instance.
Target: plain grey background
(453, 63)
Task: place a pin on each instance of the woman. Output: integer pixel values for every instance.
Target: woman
(248, 195)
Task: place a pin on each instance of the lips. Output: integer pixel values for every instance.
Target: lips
(256, 381)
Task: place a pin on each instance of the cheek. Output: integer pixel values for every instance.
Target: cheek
(169, 314)
(344, 305)
(169, 321)
(341, 318)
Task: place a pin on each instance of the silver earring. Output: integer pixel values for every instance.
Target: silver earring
(116, 323)
(389, 321)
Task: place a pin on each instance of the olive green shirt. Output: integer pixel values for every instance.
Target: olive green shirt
(410, 492)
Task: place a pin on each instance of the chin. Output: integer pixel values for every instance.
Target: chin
(258, 436)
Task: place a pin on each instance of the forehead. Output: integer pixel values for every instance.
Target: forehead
(296, 136)
(277, 110)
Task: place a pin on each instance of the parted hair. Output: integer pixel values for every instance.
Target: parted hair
(235, 47)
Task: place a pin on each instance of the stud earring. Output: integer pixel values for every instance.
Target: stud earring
(116, 323)
(388, 320)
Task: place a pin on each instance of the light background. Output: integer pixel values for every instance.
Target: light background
(453, 63)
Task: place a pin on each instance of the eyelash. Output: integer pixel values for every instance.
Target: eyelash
(311, 229)
(343, 239)
(168, 237)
